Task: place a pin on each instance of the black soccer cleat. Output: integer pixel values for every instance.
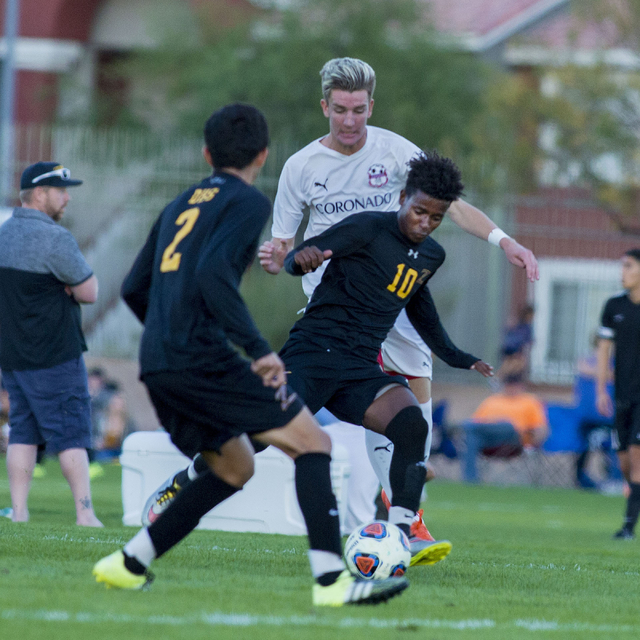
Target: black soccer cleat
(624, 534)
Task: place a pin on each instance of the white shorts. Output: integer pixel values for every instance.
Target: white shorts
(404, 351)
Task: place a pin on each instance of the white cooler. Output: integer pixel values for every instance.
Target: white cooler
(267, 504)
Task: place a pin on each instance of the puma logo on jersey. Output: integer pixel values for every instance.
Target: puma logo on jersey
(385, 448)
(320, 184)
(413, 254)
(619, 317)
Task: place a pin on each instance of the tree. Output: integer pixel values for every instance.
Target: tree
(431, 94)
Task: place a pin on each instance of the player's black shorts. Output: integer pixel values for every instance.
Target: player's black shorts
(202, 410)
(627, 424)
(342, 382)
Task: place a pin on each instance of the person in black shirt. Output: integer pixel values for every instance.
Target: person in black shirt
(620, 327)
(380, 263)
(184, 287)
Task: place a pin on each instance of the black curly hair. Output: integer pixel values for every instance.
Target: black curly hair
(434, 175)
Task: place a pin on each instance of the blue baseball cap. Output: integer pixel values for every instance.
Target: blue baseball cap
(47, 174)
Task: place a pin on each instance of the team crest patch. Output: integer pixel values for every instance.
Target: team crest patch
(377, 175)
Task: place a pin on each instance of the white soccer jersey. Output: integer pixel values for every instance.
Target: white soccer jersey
(334, 186)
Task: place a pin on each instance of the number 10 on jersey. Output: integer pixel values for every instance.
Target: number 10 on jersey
(407, 284)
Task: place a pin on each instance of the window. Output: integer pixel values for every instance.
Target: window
(568, 301)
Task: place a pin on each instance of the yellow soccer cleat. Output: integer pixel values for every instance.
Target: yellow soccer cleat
(427, 552)
(113, 573)
(348, 589)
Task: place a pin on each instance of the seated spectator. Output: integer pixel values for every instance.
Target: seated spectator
(510, 417)
(109, 417)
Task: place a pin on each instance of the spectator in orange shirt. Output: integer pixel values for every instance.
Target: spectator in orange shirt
(510, 417)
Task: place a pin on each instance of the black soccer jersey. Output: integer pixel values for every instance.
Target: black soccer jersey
(621, 323)
(374, 272)
(184, 283)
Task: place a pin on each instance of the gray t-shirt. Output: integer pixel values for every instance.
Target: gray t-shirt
(40, 323)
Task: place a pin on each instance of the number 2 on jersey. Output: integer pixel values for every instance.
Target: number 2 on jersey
(407, 284)
(170, 257)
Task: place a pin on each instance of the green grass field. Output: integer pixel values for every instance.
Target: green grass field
(526, 563)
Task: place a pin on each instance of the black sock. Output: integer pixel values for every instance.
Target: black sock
(328, 578)
(199, 464)
(405, 528)
(182, 478)
(134, 565)
(317, 502)
(633, 507)
(408, 431)
(184, 513)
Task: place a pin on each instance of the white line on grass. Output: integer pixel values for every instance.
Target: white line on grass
(551, 567)
(219, 619)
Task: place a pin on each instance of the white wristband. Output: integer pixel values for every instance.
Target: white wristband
(496, 235)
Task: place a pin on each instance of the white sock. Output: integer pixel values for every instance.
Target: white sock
(428, 416)
(324, 562)
(141, 548)
(380, 450)
(400, 515)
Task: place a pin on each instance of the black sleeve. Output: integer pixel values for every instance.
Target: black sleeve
(606, 329)
(135, 288)
(423, 315)
(220, 268)
(342, 238)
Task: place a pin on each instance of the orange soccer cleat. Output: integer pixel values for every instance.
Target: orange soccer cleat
(425, 549)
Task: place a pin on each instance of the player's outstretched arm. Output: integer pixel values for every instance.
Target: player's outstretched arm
(482, 367)
(310, 258)
(271, 369)
(473, 221)
(340, 240)
(521, 257)
(423, 315)
(272, 254)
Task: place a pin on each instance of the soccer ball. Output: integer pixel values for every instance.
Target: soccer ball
(377, 550)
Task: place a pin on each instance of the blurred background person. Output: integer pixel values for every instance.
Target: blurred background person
(509, 418)
(110, 421)
(516, 345)
(620, 329)
(594, 429)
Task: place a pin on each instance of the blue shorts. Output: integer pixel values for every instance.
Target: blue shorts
(50, 406)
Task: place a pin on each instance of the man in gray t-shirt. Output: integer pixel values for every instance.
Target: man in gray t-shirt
(43, 279)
